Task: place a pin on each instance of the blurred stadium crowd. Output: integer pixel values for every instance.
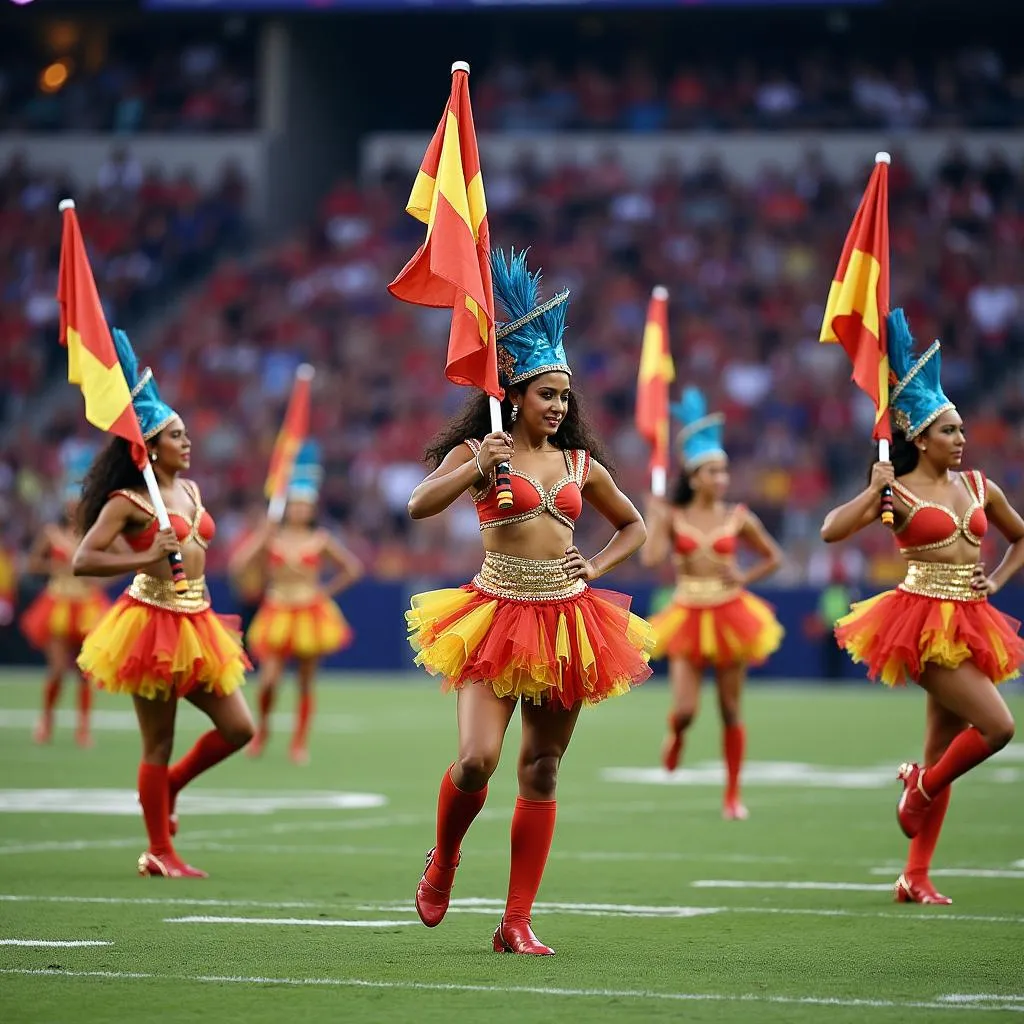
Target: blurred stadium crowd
(747, 266)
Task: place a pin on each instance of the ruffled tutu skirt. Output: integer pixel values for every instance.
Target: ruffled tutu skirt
(897, 632)
(710, 626)
(310, 629)
(526, 631)
(57, 615)
(155, 644)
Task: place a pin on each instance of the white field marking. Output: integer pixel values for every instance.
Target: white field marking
(739, 883)
(759, 773)
(985, 997)
(1011, 752)
(637, 995)
(306, 922)
(125, 721)
(54, 943)
(962, 873)
(1006, 775)
(165, 901)
(125, 802)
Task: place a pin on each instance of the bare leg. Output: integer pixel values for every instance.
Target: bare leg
(730, 682)
(684, 681)
(58, 660)
(306, 673)
(271, 668)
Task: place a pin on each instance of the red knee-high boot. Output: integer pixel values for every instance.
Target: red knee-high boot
(51, 693)
(211, 748)
(533, 827)
(672, 750)
(914, 886)
(83, 734)
(734, 743)
(299, 752)
(266, 705)
(456, 809)
(160, 859)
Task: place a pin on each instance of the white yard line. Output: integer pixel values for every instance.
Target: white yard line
(635, 995)
(125, 721)
(305, 922)
(54, 943)
(738, 883)
(962, 873)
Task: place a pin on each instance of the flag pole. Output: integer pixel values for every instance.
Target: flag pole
(659, 471)
(278, 501)
(887, 516)
(175, 560)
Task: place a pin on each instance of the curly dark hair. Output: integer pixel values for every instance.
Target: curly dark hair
(683, 494)
(474, 421)
(111, 470)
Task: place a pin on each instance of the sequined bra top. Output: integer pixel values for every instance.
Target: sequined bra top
(279, 555)
(563, 501)
(200, 527)
(930, 526)
(720, 542)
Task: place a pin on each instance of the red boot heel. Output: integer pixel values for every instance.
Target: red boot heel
(518, 937)
(432, 900)
(167, 866)
(906, 891)
(914, 801)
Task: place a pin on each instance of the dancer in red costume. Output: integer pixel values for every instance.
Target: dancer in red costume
(156, 644)
(937, 628)
(58, 620)
(297, 618)
(712, 621)
(529, 629)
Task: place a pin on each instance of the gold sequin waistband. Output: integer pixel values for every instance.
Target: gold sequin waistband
(160, 593)
(294, 593)
(70, 588)
(526, 579)
(704, 591)
(941, 580)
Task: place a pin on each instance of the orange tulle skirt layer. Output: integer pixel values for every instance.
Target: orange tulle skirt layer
(560, 651)
(156, 653)
(742, 630)
(54, 617)
(896, 633)
(310, 630)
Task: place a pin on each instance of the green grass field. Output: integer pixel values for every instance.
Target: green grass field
(659, 910)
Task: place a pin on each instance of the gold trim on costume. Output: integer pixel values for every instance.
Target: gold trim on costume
(704, 591)
(293, 593)
(526, 579)
(942, 581)
(71, 588)
(160, 593)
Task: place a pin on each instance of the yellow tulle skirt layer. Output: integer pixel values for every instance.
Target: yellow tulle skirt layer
(742, 630)
(310, 630)
(52, 616)
(559, 651)
(155, 653)
(897, 633)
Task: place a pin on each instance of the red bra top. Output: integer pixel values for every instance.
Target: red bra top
(59, 553)
(721, 542)
(563, 501)
(929, 525)
(200, 528)
(278, 556)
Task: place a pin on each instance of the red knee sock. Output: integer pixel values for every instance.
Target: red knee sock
(922, 846)
(51, 694)
(533, 827)
(302, 717)
(456, 810)
(266, 699)
(734, 742)
(84, 705)
(155, 800)
(211, 748)
(967, 751)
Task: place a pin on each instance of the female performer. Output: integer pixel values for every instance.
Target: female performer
(528, 629)
(298, 618)
(57, 621)
(154, 643)
(712, 621)
(937, 628)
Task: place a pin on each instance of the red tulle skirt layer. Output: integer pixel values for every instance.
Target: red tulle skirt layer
(740, 631)
(310, 630)
(897, 633)
(52, 617)
(155, 653)
(560, 652)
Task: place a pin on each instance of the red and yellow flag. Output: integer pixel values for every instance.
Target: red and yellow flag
(92, 358)
(291, 435)
(657, 372)
(858, 300)
(452, 268)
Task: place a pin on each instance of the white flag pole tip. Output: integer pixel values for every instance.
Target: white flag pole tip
(460, 65)
(660, 293)
(66, 204)
(882, 157)
(305, 371)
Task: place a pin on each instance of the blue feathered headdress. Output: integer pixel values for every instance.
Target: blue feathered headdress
(700, 439)
(153, 412)
(306, 474)
(531, 342)
(917, 398)
(76, 458)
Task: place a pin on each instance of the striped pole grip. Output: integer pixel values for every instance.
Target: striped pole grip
(503, 485)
